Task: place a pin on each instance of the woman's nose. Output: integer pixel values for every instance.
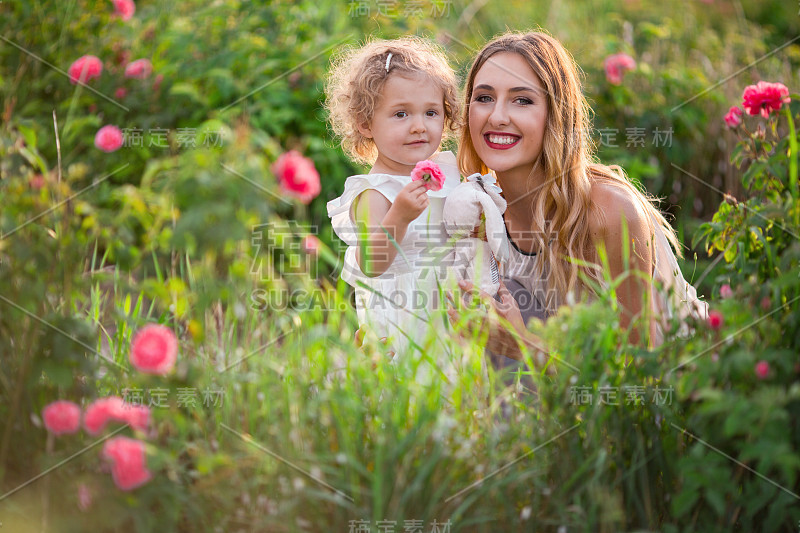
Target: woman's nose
(499, 115)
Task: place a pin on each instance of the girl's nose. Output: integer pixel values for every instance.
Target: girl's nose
(418, 125)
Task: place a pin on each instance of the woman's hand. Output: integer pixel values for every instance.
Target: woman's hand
(507, 329)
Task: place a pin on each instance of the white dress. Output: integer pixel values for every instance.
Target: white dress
(399, 303)
(673, 296)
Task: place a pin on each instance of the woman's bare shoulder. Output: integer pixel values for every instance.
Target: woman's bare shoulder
(611, 203)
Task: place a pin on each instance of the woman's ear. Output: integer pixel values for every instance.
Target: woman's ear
(365, 130)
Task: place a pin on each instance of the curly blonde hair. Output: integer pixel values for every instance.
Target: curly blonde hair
(355, 82)
(563, 204)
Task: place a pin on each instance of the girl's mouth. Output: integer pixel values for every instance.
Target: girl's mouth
(501, 141)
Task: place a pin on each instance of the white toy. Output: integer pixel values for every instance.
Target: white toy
(473, 259)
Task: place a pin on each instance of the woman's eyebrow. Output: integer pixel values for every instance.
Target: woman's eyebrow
(484, 87)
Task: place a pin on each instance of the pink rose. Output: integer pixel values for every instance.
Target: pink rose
(113, 408)
(36, 181)
(715, 319)
(120, 93)
(139, 69)
(84, 69)
(128, 464)
(430, 173)
(616, 65)
(725, 291)
(154, 349)
(108, 139)
(762, 369)
(734, 117)
(310, 244)
(62, 417)
(100, 412)
(297, 176)
(124, 8)
(763, 98)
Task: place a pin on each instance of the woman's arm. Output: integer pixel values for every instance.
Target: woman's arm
(374, 214)
(620, 225)
(508, 333)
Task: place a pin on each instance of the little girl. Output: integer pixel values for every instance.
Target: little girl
(390, 102)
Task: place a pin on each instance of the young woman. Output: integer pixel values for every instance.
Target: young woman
(526, 120)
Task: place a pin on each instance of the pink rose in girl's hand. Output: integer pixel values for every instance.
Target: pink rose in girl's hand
(128, 465)
(430, 173)
(84, 69)
(297, 176)
(154, 349)
(62, 417)
(139, 69)
(108, 139)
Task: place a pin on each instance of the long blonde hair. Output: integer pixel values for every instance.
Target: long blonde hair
(563, 203)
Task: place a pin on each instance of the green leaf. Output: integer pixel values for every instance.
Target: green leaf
(187, 89)
(684, 502)
(716, 500)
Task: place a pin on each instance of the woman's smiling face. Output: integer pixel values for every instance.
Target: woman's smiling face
(507, 114)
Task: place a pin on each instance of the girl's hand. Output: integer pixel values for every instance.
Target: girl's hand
(410, 202)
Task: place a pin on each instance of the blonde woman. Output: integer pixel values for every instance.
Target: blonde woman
(526, 121)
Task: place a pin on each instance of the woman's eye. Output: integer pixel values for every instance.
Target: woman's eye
(483, 98)
(524, 101)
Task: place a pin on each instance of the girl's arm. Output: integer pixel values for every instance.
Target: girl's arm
(374, 214)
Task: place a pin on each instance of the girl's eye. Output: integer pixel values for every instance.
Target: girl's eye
(401, 114)
(432, 113)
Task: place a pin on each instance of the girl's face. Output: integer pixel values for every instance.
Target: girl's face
(507, 115)
(407, 124)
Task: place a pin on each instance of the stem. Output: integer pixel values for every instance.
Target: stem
(46, 491)
(793, 165)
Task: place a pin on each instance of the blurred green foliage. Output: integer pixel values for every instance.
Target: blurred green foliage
(171, 230)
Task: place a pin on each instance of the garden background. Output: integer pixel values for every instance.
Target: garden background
(271, 419)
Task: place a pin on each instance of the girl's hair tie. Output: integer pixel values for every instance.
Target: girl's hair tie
(388, 58)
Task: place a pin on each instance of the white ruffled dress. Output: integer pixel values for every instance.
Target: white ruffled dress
(399, 303)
